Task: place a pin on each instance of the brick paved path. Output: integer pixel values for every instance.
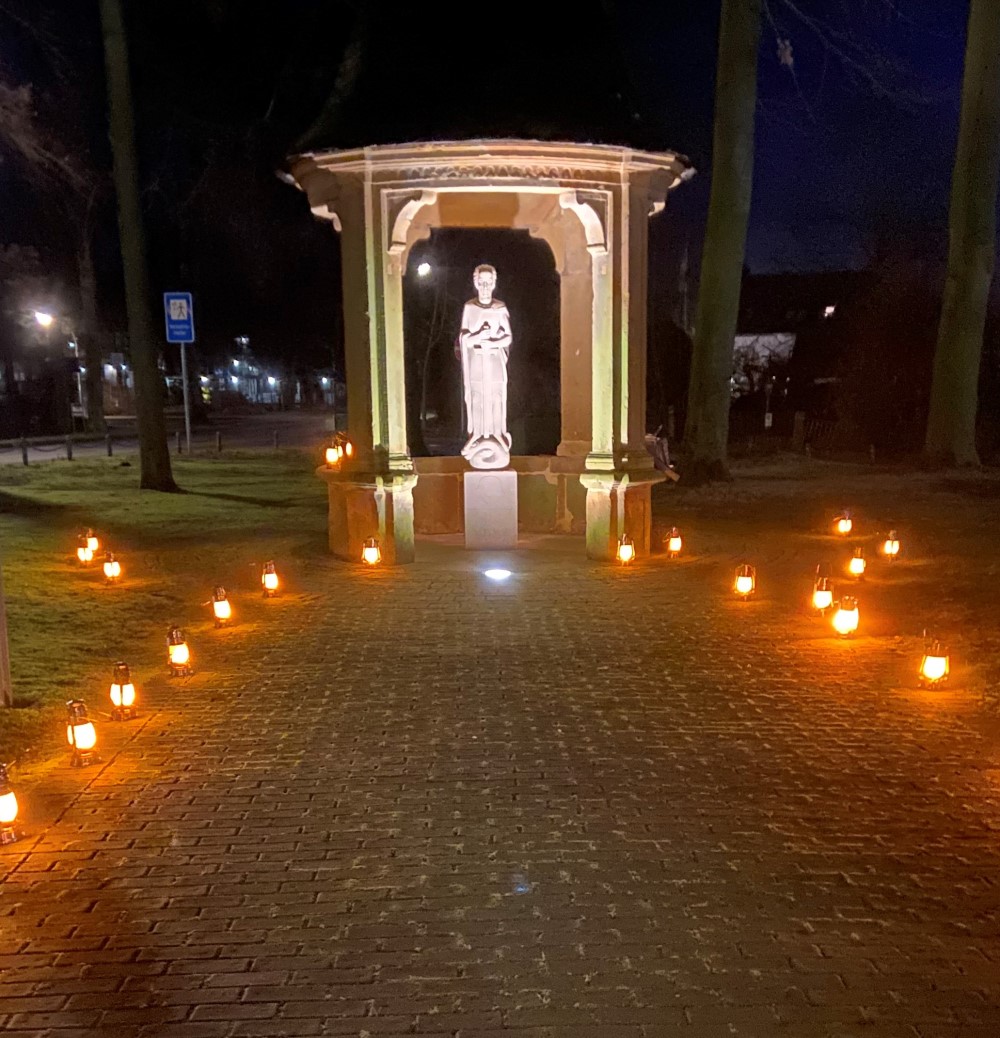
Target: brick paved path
(589, 803)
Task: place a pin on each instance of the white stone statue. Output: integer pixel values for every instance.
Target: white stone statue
(484, 342)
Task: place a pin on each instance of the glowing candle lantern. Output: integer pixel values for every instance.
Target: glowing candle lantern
(222, 610)
(843, 524)
(92, 542)
(112, 568)
(8, 809)
(269, 580)
(80, 733)
(822, 594)
(856, 567)
(935, 666)
(674, 542)
(178, 654)
(746, 581)
(122, 693)
(845, 619)
(890, 547)
(340, 448)
(626, 550)
(371, 553)
(83, 550)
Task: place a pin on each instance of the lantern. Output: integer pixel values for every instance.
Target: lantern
(92, 542)
(122, 693)
(746, 581)
(626, 550)
(674, 542)
(935, 666)
(112, 568)
(371, 553)
(221, 608)
(843, 524)
(269, 580)
(84, 553)
(340, 448)
(8, 809)
(856, 567)
(80, 733)
(822, 594)
(845, 619)
(178, 654)
(890, 547)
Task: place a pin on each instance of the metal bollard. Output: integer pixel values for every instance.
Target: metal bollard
(275, 439)
(24, 450)
(177, 440)
(218, 443)
(107, 440)
(69, 448)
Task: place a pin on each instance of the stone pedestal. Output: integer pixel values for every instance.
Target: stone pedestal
(370, 505)
(490, 509)
(618, 504)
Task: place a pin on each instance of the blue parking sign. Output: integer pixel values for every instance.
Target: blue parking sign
(178, 310)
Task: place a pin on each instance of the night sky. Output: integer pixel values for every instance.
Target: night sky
(859, 139)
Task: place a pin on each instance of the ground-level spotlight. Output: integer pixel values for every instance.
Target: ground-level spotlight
(935, 666)
(371, 553)
(843, 524)
(8, 809)
(496, 574)
(674, 542)
(857, 566)
(626, 550)
(745, 583)
(222, 609)
(845, 619)
(178, 654)
(92, 542)
(112, 568)
(80, 734)
(890, 546)
(269, 580)
(122, 693)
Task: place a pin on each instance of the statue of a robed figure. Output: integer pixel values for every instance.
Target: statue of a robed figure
(484, 344)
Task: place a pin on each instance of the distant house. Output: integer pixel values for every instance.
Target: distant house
(780, 312)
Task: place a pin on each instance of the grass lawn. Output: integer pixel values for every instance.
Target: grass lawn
(67, 628)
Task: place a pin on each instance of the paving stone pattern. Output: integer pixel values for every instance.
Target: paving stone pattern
(588, 803)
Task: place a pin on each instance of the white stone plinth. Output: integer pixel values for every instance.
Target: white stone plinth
(491, 509)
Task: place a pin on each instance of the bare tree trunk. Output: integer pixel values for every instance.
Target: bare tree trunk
(154, 454)
(725, 242)
(88, 336)
(951, 424)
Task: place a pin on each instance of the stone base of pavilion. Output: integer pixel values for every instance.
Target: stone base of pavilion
(555, 495)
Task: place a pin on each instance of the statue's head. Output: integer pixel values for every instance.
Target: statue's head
(484, 277)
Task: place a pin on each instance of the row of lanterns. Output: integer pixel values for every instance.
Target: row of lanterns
(81, 734)
(935, 664)
(88, 545)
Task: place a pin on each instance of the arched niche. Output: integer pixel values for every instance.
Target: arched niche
(529, 283)
(574, 232)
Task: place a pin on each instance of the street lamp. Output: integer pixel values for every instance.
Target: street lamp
(46, 319)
